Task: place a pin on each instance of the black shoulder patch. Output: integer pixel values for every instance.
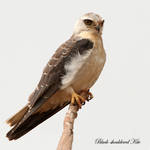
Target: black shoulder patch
(84, 45)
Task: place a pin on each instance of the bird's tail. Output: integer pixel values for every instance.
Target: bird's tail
(17, 117)
(23, 127)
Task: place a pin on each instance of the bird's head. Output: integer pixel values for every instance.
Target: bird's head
(89, 22)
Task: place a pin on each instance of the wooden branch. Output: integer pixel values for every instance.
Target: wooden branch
(66, 139)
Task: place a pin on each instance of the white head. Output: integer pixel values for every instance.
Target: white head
(89, 22)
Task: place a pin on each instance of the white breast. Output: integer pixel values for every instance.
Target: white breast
(73, 67)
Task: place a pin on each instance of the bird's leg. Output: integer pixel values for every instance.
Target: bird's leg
(79, 98)
(88, 93)
(76, 98)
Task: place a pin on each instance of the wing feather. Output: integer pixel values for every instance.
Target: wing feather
(54, 71)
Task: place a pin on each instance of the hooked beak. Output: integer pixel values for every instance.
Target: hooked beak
(99, 26)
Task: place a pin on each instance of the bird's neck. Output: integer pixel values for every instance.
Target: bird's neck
(93, 36)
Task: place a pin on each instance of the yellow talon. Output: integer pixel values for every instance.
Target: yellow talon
(78, 99)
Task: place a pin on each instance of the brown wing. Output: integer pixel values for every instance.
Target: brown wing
(51, 78)
(54, 71)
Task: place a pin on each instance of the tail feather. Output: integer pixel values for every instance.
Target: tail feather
(17, 117)
(32, 121)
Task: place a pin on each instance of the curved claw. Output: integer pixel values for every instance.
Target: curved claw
(90, 95)
(83, 103)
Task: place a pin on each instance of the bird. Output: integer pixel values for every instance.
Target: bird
(75, 67)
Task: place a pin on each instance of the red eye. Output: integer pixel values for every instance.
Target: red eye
(88, 21)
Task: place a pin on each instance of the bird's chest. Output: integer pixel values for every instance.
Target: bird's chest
(90, 70)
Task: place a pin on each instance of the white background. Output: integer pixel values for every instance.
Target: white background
(30, 32)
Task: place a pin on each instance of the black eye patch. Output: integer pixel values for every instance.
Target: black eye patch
(88, 21)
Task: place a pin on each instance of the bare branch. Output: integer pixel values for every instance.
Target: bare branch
(66, 139)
